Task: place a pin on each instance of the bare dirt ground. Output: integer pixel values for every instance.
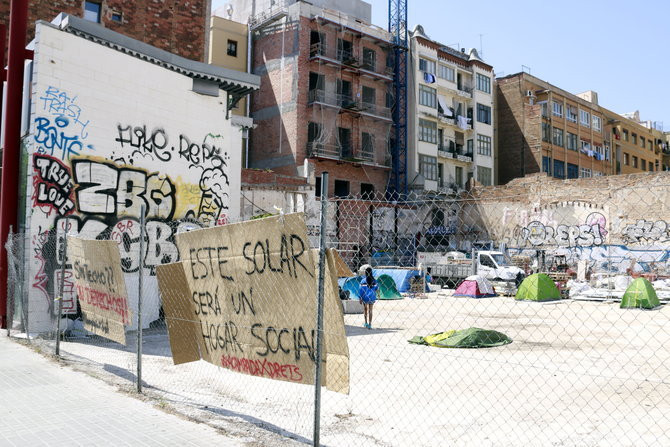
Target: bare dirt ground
(577, 374)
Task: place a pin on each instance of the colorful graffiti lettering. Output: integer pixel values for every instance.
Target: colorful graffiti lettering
(52, 185)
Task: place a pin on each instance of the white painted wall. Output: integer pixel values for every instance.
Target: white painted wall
(136, 133)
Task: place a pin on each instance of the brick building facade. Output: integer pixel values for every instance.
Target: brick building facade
(323, 103)
(172, 25)
(542, 128)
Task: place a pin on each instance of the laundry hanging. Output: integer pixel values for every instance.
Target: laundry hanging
(429, 78)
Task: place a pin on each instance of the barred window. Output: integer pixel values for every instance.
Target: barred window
(484, 176)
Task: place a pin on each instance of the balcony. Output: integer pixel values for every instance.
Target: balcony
(318, 96)
(277, 11)
(455, 122)
(344, 152)
(375, 111)
(465, 90)
(347, 59)
(454, 151)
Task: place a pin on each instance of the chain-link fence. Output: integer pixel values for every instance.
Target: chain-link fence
(576, 277)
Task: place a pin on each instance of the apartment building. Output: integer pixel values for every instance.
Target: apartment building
(324, 102)
(451, 113)
(638, 146)
(177, 27)
(543, 128)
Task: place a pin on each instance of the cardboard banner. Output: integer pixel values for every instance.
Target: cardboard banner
(100, 287)
(244, 298)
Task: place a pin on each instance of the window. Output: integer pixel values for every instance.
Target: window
(341, 188)
(545, 113)
(650, 145)
(651, 166)
(483, 114)
(546, 132)
(557, 109)
(625, 135)
(469, 147)
(597, 173)
(634, 161)
(483, 145)
(585, 118)
(368, 145)
(584, 172)
(317, 43)
(345, 50)
(427, 131)
(232, 48)
(369, 95)
(317, 186)
(643, 164)
(484, 175)
(428, 167)
(586, 146)
(634, 138)
(483, 83)
(572, 141)
(573, 171)
(447, 73)
(369, 59)
(316, 82)
(426, 65)
(559, 169)
(626, 161)
(427, 96)
(571, 114)
(344, 140)
(459, 176)
(557, 137)
(92, 11)
(546, 164)
(117, 17)
(313, 132)
(596, 123)
(643, 142)
(367, 190)
(607, 153)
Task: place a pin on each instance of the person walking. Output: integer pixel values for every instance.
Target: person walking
(368, 293)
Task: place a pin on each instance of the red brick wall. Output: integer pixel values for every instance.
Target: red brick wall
(173, 25)
(281, 144)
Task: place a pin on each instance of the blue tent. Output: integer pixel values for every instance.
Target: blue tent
(401, 277)
(352, 285)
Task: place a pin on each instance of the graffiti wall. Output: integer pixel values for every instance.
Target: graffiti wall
(106, 143)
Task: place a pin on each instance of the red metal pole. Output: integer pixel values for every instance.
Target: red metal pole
(9, 192)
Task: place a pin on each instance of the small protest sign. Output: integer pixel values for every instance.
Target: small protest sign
(100, 287)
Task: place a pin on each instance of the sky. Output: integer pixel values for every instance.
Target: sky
(618, 48)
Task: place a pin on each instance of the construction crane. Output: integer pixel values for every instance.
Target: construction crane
(398, 29)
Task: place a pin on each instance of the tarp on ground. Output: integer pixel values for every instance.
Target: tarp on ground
(640, 295)
(401, 277)
(538, 287)
(475, 286)
(387, 289)
(467, 338)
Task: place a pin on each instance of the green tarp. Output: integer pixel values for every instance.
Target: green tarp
(538, 287)
(467, 338)
(640, 295)
(387, 289)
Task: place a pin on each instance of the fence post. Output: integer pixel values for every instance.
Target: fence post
(474, 261)
(139, 300)
(319, 308)
(59, 313)
(11, 240)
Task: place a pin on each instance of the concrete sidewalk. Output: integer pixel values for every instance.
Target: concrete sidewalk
(45, 404)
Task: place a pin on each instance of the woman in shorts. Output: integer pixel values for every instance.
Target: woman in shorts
(368, 293)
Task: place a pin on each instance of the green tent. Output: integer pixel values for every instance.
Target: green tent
(387, 288)
(467, 338)
(641, 295)
(538, 287)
